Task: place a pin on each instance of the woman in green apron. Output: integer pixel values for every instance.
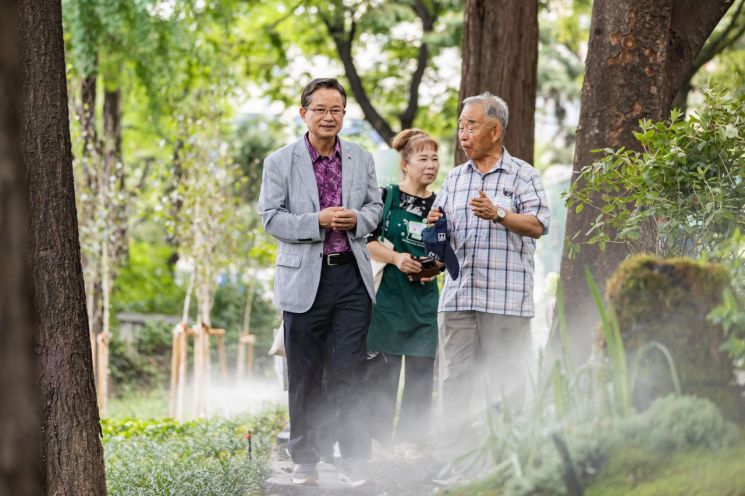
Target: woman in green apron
(404, 322)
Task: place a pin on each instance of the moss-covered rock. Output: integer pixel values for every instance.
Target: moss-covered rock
(667, 301)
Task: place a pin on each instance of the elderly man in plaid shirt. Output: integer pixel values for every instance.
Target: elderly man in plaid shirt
(496, 209)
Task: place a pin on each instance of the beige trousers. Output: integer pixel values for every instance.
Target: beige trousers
(484, 357)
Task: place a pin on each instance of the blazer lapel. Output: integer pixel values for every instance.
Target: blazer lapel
(346, 174)
(305, 171)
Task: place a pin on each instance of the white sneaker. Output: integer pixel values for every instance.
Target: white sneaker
(353, 474)
(305, 474)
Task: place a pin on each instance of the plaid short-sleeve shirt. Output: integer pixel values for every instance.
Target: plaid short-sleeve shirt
(496, 265)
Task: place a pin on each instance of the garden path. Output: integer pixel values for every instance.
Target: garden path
(391, 478)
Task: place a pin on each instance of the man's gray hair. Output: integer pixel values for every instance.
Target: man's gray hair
(494, 107)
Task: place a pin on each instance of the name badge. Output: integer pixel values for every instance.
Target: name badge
(503, 201)
(415, 229)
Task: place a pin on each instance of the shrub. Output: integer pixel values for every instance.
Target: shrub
(202, 457)
(676, 424)
(145, 367)
(688, 182)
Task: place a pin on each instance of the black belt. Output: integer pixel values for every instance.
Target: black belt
(338, 258)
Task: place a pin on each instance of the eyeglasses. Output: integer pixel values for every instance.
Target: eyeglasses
(322, 111)
(471, 128)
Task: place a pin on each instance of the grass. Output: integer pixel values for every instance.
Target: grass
(701, 473)
(142, 405)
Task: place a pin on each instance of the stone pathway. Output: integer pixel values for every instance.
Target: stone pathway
(391, 478)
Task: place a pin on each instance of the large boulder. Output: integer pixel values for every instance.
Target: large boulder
(667, 301)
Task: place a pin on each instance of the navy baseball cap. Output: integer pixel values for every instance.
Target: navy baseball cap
(437, 245)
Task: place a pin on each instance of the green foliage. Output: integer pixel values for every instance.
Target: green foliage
(159, 429)
(688, 182)
(146, 282)
(146, 364)
(730, 315)
(615, 349)
(385, 37)
(227, 313)
(675, 424)
(256, 137)
(202, 457)
(671, 426)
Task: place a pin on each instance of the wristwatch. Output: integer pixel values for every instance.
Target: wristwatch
(501, 214)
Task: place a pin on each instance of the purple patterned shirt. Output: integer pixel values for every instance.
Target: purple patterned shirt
(328, 178)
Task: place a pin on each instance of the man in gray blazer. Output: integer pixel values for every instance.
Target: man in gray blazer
(319, 198)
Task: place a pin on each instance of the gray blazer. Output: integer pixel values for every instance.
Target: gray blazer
(289, 206)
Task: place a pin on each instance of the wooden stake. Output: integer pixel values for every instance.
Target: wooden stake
(183, 352)
(177, 333)
(102, 348)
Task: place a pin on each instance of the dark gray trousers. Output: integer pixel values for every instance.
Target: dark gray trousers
(337, 322)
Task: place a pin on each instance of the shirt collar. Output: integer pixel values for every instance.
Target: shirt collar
(505, 164)
(314, 155)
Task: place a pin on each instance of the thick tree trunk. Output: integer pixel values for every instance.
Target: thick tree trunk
(91, 156)
(639, 56)
(500, 55)
(20, 439)
(72, 451)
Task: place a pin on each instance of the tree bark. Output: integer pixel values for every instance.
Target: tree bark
(20, 440)
(72, 453)
(112, 124)
(500, 55)
(638, 58)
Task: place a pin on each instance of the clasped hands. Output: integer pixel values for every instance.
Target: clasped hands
(481, 206)
(337, 218)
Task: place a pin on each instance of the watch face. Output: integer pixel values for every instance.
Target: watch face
(501, 213)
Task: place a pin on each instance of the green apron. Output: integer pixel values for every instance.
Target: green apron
(404, 320)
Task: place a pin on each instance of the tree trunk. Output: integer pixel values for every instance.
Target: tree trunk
(20, 441)
(112, 124)
(72, 453)
(88, 118)
(639, 55)
(500, 55)
(724, 39)
(90, 158)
